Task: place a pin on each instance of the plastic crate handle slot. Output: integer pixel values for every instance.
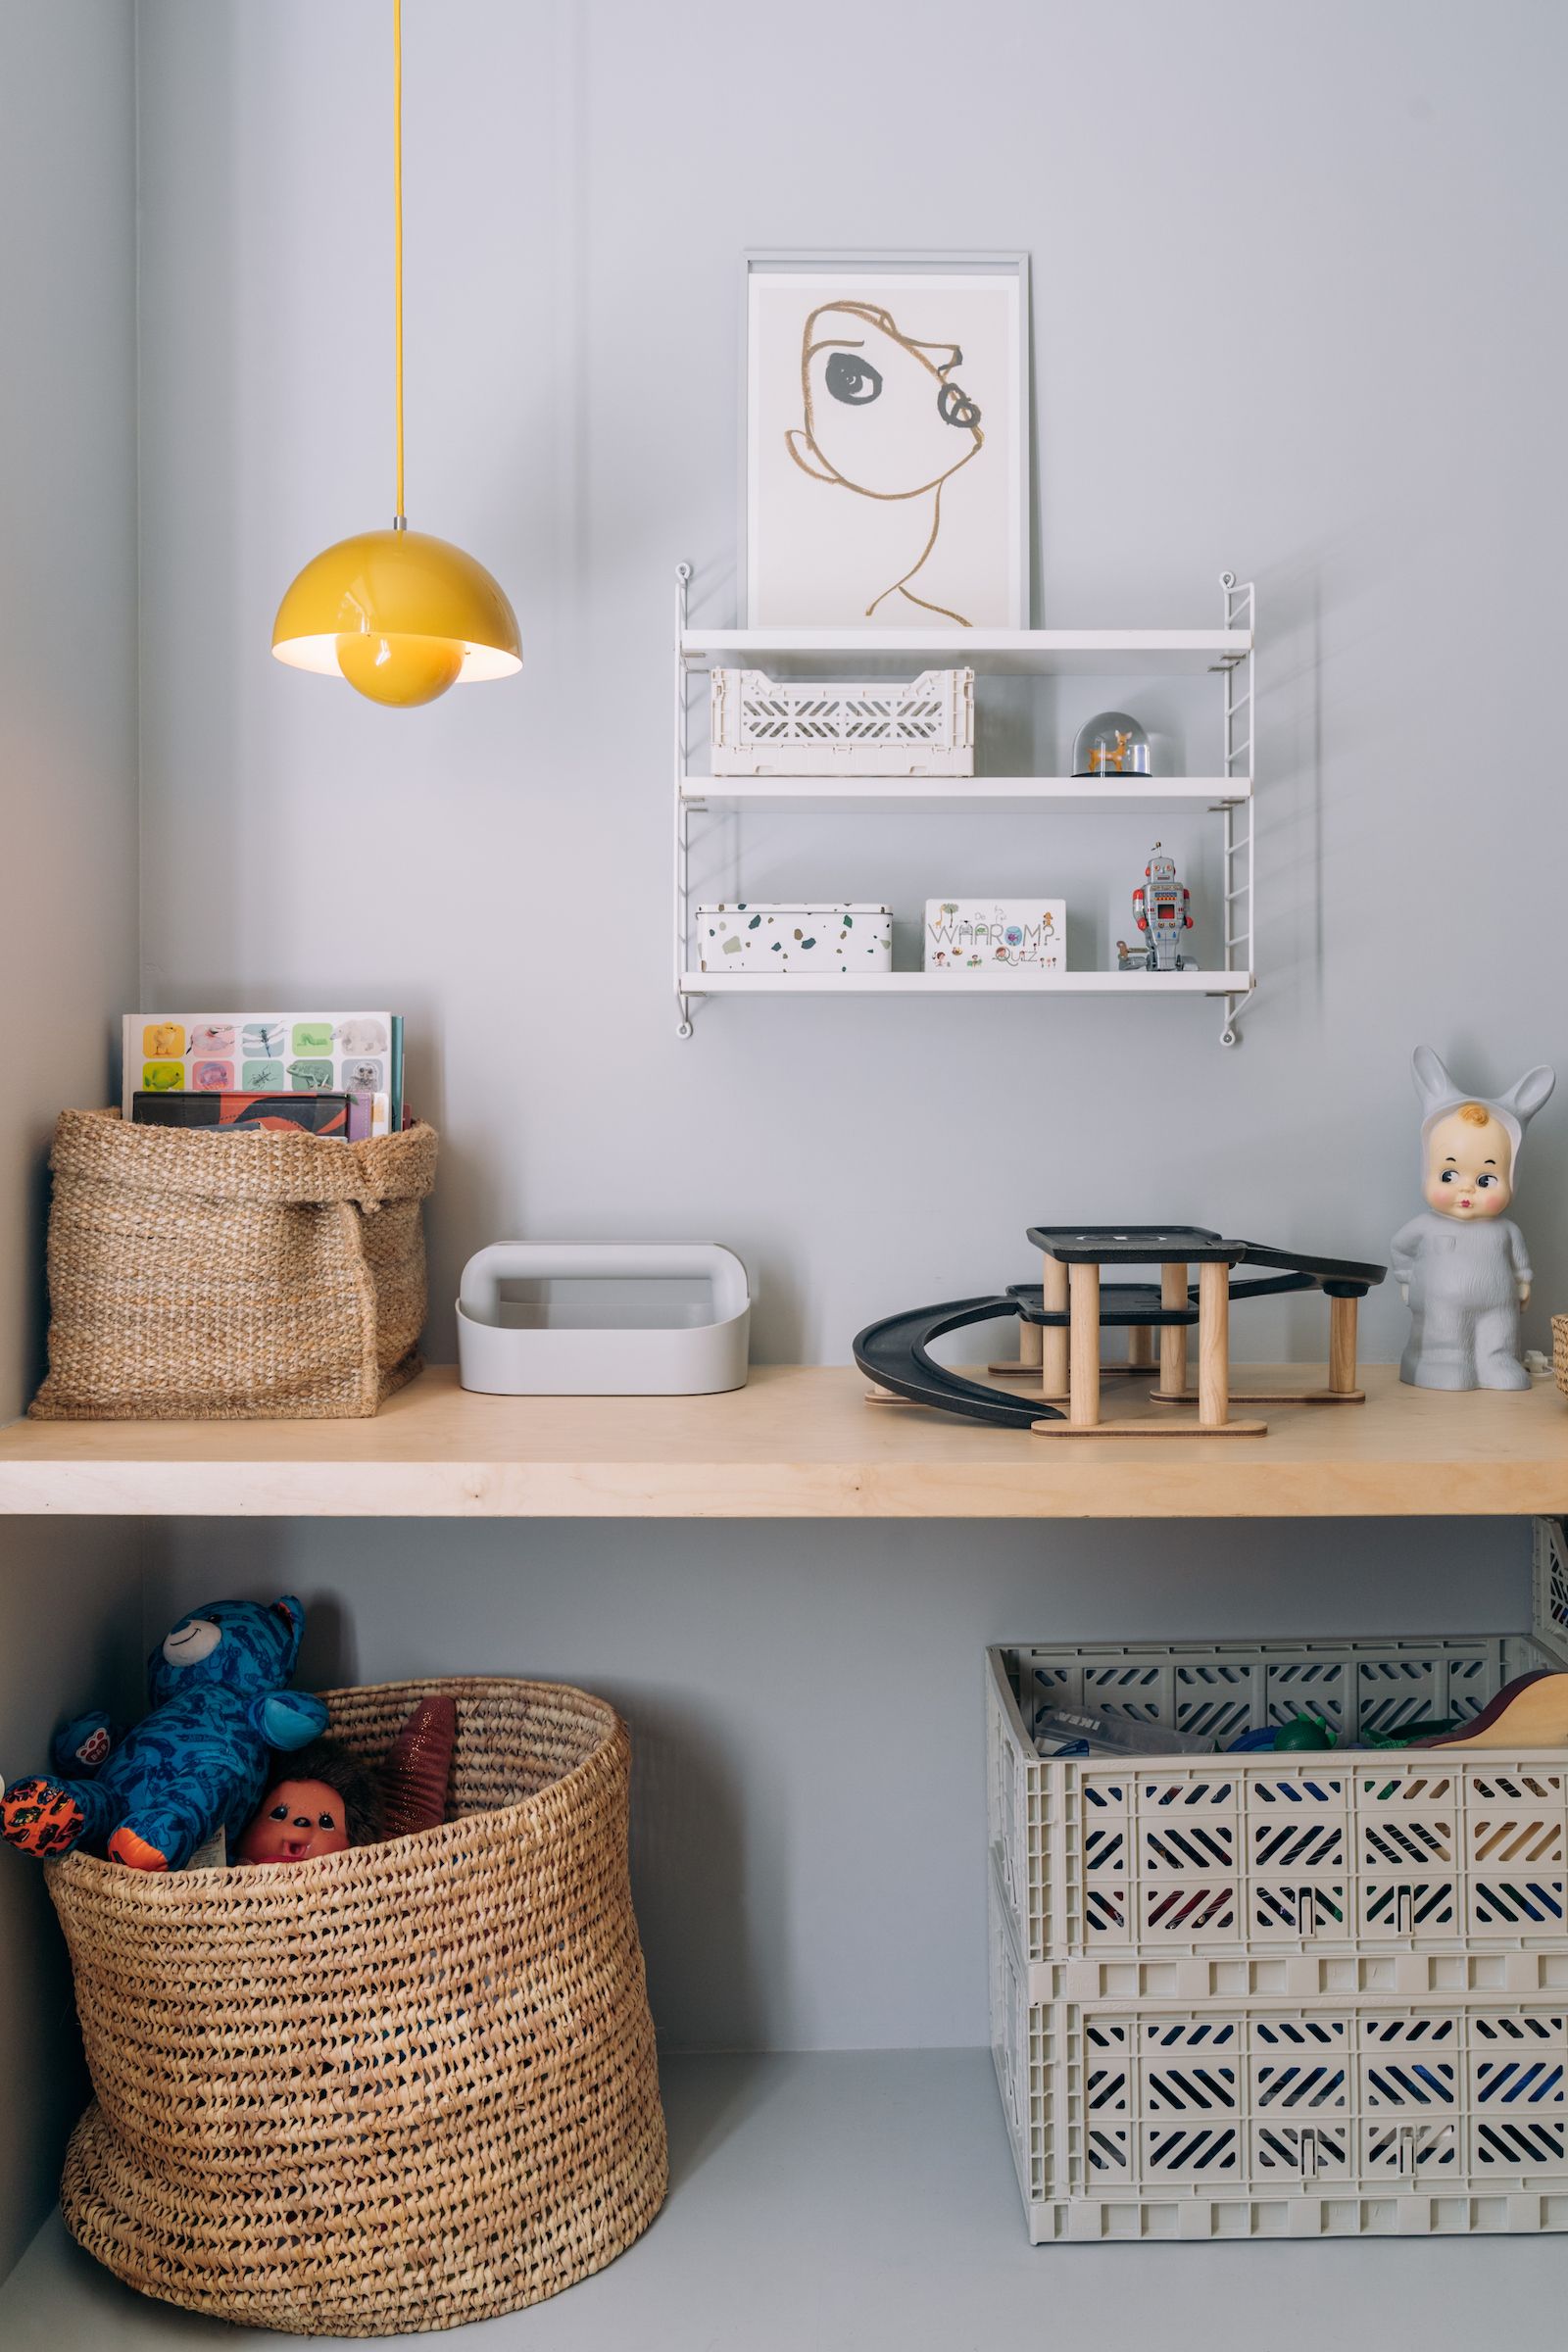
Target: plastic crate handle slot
(479, 1296)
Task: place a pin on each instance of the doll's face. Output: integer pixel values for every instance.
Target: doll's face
(1469, 1164)
(295, 1819)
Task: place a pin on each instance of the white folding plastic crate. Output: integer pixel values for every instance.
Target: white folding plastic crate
(1393, 1926)
(763, 726)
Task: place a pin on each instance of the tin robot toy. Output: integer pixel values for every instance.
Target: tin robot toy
(1160, 909)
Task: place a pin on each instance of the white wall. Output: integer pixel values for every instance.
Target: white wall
(68, 602)
(1318, 243)
(69, 1617)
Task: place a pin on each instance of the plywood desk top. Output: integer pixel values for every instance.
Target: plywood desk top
(798, 1442)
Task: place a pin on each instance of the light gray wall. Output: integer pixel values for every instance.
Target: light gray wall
(68, 602)
(1296, 313)
(69, 1607)
(805, 1701)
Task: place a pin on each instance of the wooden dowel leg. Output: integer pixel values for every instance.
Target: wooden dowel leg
(1213, 1344)
(1029, 1335)
(1341, 1346)
(1053, 1335)
(1172, 1335)
(1083, 1388)
(1139, 1343)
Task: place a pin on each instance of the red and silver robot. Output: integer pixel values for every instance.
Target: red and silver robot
(1160, 909)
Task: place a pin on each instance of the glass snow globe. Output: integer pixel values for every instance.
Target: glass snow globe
(1112, 744)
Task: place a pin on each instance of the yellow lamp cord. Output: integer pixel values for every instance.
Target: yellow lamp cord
(401, 523)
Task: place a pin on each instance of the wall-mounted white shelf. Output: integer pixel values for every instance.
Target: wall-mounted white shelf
(1095, 653)
(966, 796)
(800, 1441)
(1226, 652)
(939, 985)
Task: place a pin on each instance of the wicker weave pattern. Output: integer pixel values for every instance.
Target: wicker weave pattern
(230, 1277)
(402, 2087)
(1559, 1350)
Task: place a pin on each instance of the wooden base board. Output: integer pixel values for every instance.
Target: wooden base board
(1149, 1429)
(1264, 1397)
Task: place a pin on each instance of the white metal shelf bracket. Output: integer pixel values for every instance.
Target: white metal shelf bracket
(1238, 606)
(683, 1003)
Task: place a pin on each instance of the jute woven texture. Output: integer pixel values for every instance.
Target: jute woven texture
(1559, 1350)
(202, 1276)
(397, 2088)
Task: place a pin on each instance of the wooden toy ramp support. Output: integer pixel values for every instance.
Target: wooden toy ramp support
(1075, 1304)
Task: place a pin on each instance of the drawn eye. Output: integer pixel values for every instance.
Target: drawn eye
(852, 380)
(955, 407)
(324, 1821)
(1483, 1183)
(1449, 1176)
(278, 1813)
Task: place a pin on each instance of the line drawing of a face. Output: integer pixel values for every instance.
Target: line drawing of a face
(884, 417)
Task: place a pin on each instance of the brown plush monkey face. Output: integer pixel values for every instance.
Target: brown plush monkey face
(294, 1820)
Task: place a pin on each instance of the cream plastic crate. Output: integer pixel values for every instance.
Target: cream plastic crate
(1373, 2114)
(1413, 1891)
(761, 726)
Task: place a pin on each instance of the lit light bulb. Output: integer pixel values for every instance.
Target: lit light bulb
(402, 670)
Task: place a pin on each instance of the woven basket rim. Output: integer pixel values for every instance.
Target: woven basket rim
(162, 1890)
(246, 1168)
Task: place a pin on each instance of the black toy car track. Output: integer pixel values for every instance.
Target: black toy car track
(896, 1354)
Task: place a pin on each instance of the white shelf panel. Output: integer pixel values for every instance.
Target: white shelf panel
(1108, 653)
(966, 796)
(973, 984)
(869, 2199)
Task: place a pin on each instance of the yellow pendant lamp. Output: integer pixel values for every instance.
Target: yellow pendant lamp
(401, 615)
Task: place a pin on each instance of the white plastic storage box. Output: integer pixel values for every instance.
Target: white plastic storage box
(760, 726)
(750, 937)
(1314, 1994)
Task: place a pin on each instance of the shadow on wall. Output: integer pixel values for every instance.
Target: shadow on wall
(83, 1649)
(690, 1876)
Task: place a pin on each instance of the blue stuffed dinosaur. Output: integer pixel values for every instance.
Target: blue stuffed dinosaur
(197, 1762)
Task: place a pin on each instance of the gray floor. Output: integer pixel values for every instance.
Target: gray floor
(866, 2203)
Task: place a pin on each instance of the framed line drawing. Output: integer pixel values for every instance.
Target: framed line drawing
(886, 466)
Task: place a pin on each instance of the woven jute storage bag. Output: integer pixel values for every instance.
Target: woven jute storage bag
(395, 2088)
(205, 1276)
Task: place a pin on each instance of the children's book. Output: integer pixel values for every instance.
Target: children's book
(266, 1053)
(275, 1114)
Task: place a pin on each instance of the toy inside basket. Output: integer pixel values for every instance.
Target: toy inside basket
(403, 2087)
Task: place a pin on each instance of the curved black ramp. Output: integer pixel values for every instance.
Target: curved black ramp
(1341, 1276)
(895, 1355)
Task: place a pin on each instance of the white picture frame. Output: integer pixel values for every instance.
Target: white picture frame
(857, 509)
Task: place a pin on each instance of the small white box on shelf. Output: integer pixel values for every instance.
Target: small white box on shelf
(761, 728)
(991, 935)
(741, 936)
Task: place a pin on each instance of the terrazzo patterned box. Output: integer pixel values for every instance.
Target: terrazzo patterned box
(749, 936)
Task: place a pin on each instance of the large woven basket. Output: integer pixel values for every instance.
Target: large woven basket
(195, 1275)
(401, 2088)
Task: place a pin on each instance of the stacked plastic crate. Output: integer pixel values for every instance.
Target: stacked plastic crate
(1306, 1994)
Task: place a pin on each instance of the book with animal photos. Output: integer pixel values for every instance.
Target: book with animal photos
(355, 1054)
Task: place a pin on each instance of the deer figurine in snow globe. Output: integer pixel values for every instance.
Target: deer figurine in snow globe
(1461, 1264)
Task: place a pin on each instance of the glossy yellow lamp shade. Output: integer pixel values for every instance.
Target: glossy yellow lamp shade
(401, 615)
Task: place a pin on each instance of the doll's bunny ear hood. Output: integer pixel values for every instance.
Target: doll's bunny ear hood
(1515, 1110)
